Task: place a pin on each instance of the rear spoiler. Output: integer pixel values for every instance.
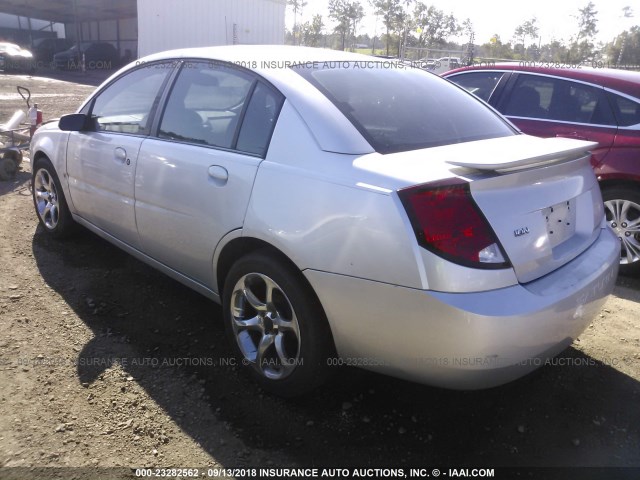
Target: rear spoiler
(538, 152)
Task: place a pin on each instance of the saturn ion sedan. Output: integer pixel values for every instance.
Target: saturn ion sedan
(343, 209)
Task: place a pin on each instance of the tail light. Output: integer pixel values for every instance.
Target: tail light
(447, 222)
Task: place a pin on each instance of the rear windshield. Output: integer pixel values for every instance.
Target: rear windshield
(398, 108)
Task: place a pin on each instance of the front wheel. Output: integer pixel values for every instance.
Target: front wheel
(49, 201)
(276, 324)
(622, 210)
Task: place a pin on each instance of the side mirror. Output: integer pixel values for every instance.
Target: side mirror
(75, 122)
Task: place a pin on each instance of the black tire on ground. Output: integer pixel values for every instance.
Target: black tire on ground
(8, 168)
(49, 200)
(267, 301)
(622, 209)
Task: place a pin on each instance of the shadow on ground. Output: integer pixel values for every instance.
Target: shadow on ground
(577, 412)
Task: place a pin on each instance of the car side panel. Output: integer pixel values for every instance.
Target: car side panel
(50, 141)
(323, 219)
(187, 198)
(101, 168)
(545, 128)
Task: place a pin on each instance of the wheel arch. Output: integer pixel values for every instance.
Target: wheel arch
(239, 247)
(616, 182)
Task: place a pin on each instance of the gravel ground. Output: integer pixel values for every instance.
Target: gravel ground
(107, 363)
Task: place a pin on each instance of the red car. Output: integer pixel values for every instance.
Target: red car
(597, 104)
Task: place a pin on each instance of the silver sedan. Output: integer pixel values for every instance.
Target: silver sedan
(343, 209)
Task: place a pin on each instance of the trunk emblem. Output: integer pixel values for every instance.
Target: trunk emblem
(520, 231)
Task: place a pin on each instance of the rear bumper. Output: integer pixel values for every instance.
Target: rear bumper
(467, 340)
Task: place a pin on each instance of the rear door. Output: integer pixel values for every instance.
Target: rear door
(547, 106)
(101, 162)
(194, 177)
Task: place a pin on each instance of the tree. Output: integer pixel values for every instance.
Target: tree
(625, 49)
(391, 13)
(528, 29)
(312, 31)
(355, 13)
(435, 25)
(297, 6)
(582, 46)
(587, 22)
(626, 13)
(467, 29)
(348, 14)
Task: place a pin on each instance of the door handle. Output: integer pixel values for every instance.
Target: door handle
(219, 175)
(120, 155)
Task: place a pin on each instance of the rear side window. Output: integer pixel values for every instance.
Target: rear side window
(627, 111)
(399, 108)
(259, 120)
(555, 99)
(481, 84)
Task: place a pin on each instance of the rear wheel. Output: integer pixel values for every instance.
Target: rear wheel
(622, 210)
(276, 324)
(49, 201)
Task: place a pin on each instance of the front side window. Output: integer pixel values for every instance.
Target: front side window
(555, 99)
(125, 105)
(205, 104)
(481, 84)
(399, 108)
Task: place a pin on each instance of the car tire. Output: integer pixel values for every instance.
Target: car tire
(276, 325)
(8, 167)
(49, 200)
(622, 210)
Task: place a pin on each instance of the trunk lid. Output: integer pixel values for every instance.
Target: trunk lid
(540, 196)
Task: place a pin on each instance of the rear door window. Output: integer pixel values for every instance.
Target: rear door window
(205, 104)
(550, 98)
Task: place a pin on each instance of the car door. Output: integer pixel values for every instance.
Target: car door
(194, 178)
(101, 161)
(548, 106)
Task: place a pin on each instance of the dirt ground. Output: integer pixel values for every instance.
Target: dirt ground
(106, 363)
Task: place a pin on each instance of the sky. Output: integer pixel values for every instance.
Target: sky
(555, 17)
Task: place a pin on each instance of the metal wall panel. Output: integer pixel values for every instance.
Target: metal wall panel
(169, 24)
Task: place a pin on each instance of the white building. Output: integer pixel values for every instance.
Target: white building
(140, 27)
(169, 24)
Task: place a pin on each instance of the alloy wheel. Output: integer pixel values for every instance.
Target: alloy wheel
(623, 216)
(265, 326)
(46, 198)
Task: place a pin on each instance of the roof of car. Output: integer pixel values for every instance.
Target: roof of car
(245, 54)
(330, 128)
(625, 81)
